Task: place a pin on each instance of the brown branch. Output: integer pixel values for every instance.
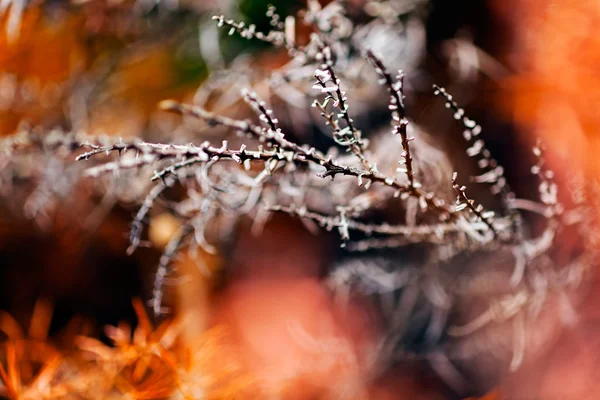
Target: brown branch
(135, 232)
(265, 114)
(279, 36)
(396, 92)
(351, 139)
(419, 233)
(464, 202)
(163, 267)
(493, 172)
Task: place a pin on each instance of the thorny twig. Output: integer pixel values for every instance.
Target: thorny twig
(493, 172)
(420, 233)
(135, 232)
(348, 136)
(163, 268)
(282, 34)
(396, 106)
(463, 201)
(548, 189)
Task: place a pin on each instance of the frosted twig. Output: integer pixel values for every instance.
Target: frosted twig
(463, 201)
(396, 92)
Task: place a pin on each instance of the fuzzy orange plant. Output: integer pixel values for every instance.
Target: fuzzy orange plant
(141, 362)
(31, 363)
(212, 370)
(152, 363)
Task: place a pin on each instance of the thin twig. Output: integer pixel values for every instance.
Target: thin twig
(463, 201)
(396, 106)
(349, 137)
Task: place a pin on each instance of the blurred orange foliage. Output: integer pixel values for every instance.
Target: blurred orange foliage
(493, 395)
(555, 94)
(36, 65)
(55, 54)
(31, 362)
(145, 363)
(557, 85)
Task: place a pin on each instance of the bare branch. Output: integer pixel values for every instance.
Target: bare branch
(419, 233)
(350, 136)
(137, 225)
(163, 267)
(280, 36)
(463, 202)
(396, 92)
